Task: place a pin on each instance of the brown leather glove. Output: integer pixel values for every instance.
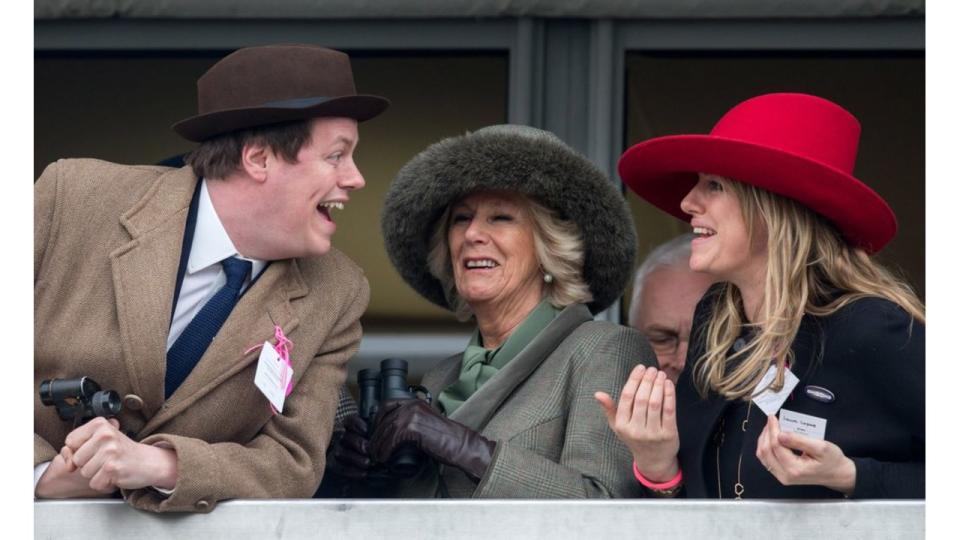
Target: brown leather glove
(350, 455)
(416, 422)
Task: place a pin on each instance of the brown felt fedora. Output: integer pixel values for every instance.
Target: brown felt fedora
(258, 86)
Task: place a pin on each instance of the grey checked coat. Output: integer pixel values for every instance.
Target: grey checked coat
(552, 438)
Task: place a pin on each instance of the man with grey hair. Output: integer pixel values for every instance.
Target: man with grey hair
(665, 294)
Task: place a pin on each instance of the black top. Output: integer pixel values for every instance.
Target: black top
(870, 356)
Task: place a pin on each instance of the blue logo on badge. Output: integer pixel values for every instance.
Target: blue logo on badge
(819, 393)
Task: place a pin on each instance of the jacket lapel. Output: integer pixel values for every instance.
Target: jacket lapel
(480, 407)
(265, 305)
(144, 276)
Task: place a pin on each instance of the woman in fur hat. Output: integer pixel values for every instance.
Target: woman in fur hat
(510, 227)
(805, 376)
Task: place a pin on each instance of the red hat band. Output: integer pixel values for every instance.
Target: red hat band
(800, 124)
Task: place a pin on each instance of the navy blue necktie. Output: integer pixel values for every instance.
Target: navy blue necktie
(196, 337)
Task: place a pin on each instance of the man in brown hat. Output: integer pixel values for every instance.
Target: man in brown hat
(208, 297)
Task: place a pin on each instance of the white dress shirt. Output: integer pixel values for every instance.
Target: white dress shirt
(204, 275)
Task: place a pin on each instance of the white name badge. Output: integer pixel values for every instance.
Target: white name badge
(768, 400)
(272, 376)
(804, 424)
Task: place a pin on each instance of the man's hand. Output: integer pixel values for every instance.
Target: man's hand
(110, 459)
(63, 481)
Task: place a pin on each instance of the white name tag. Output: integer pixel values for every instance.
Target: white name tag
(272, 376)
(804, 424)
(768, 400)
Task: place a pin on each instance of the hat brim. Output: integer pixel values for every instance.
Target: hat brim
(663, 170)
(547, 171)
(204, 126)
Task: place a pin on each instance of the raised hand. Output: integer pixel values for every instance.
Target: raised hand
(645, 420)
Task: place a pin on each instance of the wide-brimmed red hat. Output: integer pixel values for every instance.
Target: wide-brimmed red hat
(796, 145)
(259, 86)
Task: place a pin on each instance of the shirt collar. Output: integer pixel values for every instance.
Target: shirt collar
(211, 243)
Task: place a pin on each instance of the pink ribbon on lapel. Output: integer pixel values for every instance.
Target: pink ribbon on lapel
(282, 346)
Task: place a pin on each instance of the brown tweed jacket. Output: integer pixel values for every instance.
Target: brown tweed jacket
(107, 242)
(552, 437)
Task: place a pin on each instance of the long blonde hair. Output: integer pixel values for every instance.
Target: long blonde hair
(810, 269)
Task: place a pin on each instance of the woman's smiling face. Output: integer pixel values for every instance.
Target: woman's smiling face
(723, 246)
(492, 249)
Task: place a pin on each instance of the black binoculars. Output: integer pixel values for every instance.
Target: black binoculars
(79, 399)
(389, 384)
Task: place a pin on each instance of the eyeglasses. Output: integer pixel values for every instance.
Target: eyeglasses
(663, 342)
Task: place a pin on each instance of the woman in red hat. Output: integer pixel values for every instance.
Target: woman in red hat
(805, 374)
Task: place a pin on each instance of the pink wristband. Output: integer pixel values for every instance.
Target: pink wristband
(669, 484)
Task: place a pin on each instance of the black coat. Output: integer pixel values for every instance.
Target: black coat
(870, 355)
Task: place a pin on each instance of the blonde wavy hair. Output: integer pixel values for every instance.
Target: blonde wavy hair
(810, 269)
(559, 248)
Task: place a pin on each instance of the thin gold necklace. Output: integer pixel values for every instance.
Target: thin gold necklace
(738, 488)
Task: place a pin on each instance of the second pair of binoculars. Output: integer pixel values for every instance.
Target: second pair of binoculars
(379, 387)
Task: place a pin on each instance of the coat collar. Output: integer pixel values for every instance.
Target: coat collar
(700, 416)
(144, 276)
(481, 406)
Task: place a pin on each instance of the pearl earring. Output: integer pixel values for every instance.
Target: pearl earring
(547, 277)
